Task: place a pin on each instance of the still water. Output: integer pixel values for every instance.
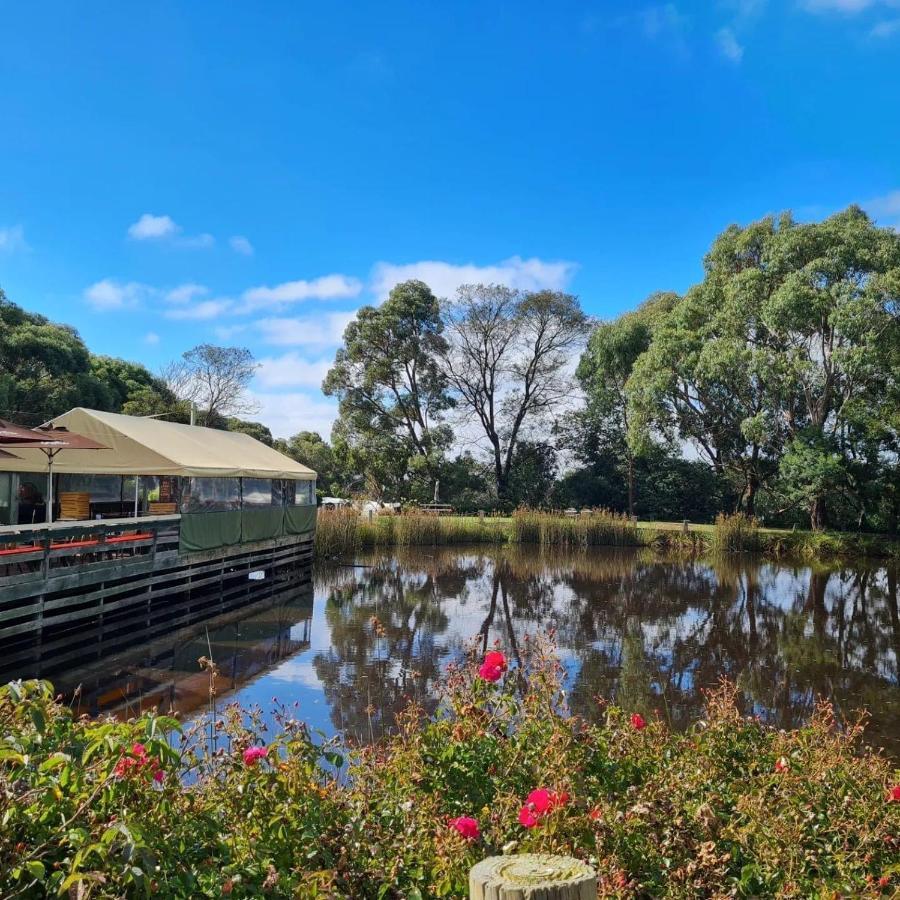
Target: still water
(351, 648)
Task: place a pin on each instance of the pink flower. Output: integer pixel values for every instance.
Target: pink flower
(596, 814)
(252, 755)
(538, 804)
(894, 795)
(781, 765)
(467, 827)
(638, 721)
(138, 750)
(527, 818)
(493, 667)
(159, 776)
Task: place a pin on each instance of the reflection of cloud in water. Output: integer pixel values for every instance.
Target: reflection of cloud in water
(295, 671)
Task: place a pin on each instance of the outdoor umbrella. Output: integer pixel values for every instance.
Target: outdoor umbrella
(50, 441)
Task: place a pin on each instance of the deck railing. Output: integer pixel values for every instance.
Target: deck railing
(42, 549)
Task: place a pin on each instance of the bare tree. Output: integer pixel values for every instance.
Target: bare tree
(507, 359)
(213, 378)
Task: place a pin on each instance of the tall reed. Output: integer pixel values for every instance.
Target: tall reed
(337, 532)
(594, 528)
(735, 533)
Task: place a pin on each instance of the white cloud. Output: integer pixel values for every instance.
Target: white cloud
(151, 338)
(186, 292)
(885, 207)
(288, 413)
(305, 331)
(197, 242)
(328, 287)
(12, 239)
(292, 370)
(886, 29)
(241, 245)
(728, 45)
(149, 228)
(200, 312)
(110, 294)
(165, 229)
(444, 278)
(227, 332)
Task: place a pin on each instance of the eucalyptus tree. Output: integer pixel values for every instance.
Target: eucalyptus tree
(507, 361)
(779, 365)
(603, 371)
(388, 378)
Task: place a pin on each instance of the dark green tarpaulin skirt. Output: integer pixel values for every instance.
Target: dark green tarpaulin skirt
(262, 524)
(208, 530)
(299, 519)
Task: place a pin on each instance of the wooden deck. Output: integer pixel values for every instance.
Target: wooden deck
(58, 583)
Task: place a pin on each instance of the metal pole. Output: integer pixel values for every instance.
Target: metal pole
(50, 487)
(137, 482)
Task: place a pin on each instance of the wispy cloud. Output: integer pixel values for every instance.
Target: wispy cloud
(288, 413)
(444, 277)
(848, 7)
(292, 370)
(110, 294)
(201, 311)
(728, 45)
(305, 331)
(886, 29)
(664, 23)
(12, 239)
(165, 229)
(885, 207)
(241, 245)
(151, 338)
(327, 287)
(186, 292)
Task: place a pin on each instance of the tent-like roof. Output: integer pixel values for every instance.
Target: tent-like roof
(144, 446)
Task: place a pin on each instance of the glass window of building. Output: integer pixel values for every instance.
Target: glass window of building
(261, 492)
(210, 494)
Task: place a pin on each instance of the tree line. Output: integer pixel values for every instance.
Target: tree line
(771, 387)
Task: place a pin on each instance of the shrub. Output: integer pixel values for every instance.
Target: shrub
(730, 807)
(735, 534)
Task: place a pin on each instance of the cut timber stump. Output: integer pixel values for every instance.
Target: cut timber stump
(532, 876)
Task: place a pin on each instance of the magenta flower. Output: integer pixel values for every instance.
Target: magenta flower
(252, 755)
(467, 827)
(493, 667)
(638, 721)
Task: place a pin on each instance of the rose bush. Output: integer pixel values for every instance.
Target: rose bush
(731, 807)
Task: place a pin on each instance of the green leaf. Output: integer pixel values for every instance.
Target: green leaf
(36, 869)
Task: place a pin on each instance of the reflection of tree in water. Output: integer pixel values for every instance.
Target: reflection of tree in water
(646, 633)
(383, 652)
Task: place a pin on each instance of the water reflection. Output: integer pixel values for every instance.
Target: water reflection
(649, 634)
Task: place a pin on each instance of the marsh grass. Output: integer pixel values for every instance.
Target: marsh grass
(735, 534)
(592, 529)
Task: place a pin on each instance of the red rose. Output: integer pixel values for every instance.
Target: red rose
(638, 721)
(467, 827)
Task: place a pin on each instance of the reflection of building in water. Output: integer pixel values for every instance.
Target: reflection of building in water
(163, 671)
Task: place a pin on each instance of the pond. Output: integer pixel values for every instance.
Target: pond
(353, 648)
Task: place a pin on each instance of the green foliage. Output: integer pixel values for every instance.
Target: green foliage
(391, 387)
(731, 806)
(791, 336)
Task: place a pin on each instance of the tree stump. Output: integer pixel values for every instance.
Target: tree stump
(532, 876)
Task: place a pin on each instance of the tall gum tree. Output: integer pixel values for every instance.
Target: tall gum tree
(603, 371)
(785, 346)
(506, 360)
(387, 377)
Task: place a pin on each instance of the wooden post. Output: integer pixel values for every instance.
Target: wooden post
(529, 876)
(685, 526)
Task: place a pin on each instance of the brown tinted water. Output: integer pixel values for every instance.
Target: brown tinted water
(642, 632)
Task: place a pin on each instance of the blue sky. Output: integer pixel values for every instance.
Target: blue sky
(253, 173)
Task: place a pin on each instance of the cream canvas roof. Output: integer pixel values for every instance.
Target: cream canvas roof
(140, 446)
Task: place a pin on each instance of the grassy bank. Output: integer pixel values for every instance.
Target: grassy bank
(343, 532)
(729, 808)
